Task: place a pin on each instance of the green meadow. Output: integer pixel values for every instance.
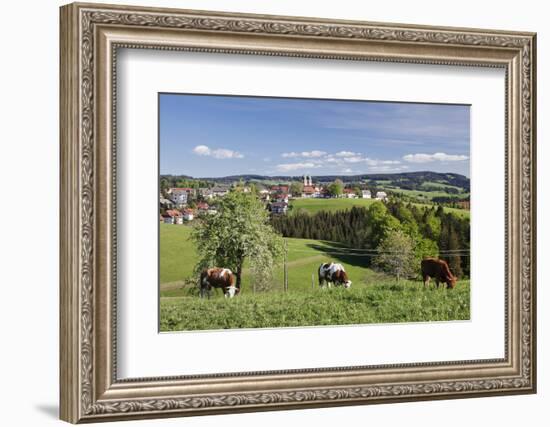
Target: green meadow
(331, 205)
(315, 205)
(373, 297)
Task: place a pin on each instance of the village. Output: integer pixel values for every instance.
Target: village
(179, 205)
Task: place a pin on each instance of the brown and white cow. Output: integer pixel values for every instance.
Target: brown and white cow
(439, 270)
(333, 273)
(218, 278)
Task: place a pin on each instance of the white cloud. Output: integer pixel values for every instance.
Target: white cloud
(291, 154)
(346, 154)
(314, 153)
(217, 153)
(201, 150)
(374, 162)
(341, 160)
(441, 157)
(288, 167)
(354, 159)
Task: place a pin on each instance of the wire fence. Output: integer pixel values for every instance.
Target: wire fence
(320, 252)
(340, 250)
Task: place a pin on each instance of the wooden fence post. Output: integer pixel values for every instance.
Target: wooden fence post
(285, 270)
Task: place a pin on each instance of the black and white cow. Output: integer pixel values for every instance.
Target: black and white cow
(333, 273)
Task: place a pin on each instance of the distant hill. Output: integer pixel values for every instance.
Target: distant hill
(405, 180)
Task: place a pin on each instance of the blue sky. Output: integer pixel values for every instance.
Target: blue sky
(214, 136)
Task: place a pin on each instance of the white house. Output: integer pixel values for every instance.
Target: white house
(220, 191)
(206, 193)
(381, 195)
(365, 194)
(173, 217)
(281, 197)
(165, 203)
(264, 194)
(279, 207)
(350, 193)
(180, 196)
(188, 214)
(311, 191)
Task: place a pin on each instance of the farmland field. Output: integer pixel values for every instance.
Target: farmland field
(316, 205)
(373, 297)
(427, 195)
(331, 205)
(178, 258)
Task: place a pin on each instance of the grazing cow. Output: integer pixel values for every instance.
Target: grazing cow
(439, 270)
(218, 278)
(333, 273)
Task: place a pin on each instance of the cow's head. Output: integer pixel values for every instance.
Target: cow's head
(346, 283)
(451, 282)
(231, 291)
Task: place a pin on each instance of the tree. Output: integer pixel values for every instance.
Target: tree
(454, 256)
(380, 222)
(296, 188)
(164, 185)
(239, 231)
(396, 255)
(431, 224)
(336, 188)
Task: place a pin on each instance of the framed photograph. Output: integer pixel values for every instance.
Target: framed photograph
(266, 212)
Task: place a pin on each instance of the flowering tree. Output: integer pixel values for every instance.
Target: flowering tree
(396, 254)
(239, 231)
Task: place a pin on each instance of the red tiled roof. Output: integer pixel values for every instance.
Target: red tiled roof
(172, 213)
(283, 188)
(186, 189)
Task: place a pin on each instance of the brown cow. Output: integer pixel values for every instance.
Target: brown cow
(218, 278)
(333, 273)
(439, 270)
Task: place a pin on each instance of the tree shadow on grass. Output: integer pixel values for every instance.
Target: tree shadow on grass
(342, 254)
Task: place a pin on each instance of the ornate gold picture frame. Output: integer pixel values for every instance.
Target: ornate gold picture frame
(91, 390)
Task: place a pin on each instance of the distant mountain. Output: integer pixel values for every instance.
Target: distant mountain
(404, 180)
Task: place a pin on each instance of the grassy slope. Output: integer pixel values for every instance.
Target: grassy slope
(178, 257)
(426, 195)
(316, 205)
(373, 297)
(379, 303)
(177, 253)
(428, 184)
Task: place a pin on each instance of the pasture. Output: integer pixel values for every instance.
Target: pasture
(373, 297)
(383, 302)
(331, 205)
(427, 195)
